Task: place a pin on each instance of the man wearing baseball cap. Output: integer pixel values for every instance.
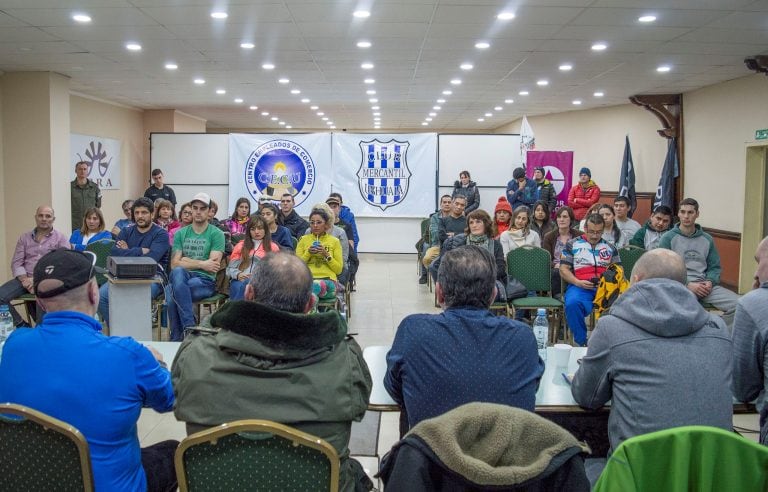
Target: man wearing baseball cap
(68, 369)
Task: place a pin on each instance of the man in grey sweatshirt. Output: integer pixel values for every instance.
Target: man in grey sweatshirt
(661, 359)
(750, 342)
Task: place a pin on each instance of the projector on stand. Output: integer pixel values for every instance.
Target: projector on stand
(131, 267)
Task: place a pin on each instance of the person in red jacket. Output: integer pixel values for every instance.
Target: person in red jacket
(584, 194)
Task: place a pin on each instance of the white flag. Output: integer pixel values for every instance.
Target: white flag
(527, 140)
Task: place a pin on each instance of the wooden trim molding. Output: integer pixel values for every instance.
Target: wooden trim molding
(719, 233)
(666, 107)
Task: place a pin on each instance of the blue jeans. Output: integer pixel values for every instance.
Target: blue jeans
(578, 304)
(155, 290)
(237, 290)
(184, 288)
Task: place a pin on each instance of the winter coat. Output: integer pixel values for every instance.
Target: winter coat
(581, 198)
(471, 193)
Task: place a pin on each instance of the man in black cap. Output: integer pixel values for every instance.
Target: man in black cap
(521, 190)
(545, 190)
(67, 369)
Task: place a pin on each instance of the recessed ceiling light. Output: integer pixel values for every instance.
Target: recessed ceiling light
(576, 102)
(295, 91)
(466, 66)
(432, 114)
(599, 46)
(84, 18)
(313, 108)
(542, 82)
(366, 66)
(284, 80)
(238, 100)
(482, 45)
(320, 113)
(427, 119)
(254, 108)
(268, 66)
(324, 118)
(265, 113)
(361, 14)
(488, 115)
(424, 123)
(481, 119)
(663, 68)
(274, 118)
(329, 122)
(281, 123)
(376, 126)
(171, 66)
(565, 67)
(447, 93)
(523, 93)
(598, 94)
(456, 81)
(220, 91)
(219, 15)
(370, 92)
(199, 81)
(497, 108)
(375, 108)
(377, 119)
(377, 114)
(437, 108)
(440, 101)
(133, 46)
(508, 101)
(363, 44)
(332, 127)
(289, 127)
(373, 100)
(506, 16)
(369, 81)
(305, 100)
(247, 46)
(647, 18)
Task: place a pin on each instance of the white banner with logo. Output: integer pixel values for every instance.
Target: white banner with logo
(386, 175)
(102, 156)
(270, 165)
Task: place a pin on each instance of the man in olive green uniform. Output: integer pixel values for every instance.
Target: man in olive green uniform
(85, 194)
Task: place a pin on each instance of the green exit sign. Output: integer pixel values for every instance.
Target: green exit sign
(761, 134)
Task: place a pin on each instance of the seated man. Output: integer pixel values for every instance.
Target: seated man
(661, 359)
(67, 369)
(275, 362)
(621, 209)
(431, 248)
(291, 219)
(195, 260)
(583, 260)
(347, 216)
(649, 235)
(441, 361)
(702, 261)
(144, 238)
(30, 247)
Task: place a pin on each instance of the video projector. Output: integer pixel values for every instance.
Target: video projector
(131, 266)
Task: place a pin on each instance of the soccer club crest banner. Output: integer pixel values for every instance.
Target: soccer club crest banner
(558, 169)
(270, 165)
(102, 156)
(386, 175)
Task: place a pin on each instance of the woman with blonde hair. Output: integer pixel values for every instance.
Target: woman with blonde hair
(91, 231)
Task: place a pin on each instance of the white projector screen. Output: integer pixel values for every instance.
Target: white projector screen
(490, 159)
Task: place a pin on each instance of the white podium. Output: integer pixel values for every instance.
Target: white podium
(130, 307)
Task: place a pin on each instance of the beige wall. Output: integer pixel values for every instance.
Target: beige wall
(720, 121)
(5, 255)
(596, 137)
(103, 119)
(186, 123)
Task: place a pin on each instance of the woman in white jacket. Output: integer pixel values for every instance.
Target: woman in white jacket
(519, 233)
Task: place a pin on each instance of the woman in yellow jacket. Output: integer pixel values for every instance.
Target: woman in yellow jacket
(322, 253)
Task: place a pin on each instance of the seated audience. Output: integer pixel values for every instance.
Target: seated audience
(612, 234)
(441, 361)
(431, 248)
(649, 235)
(468, 189)
(583, 261)
(185, 218)
(658, 356)
(91, 230)
(583, 194)
(321, 252)
(246, 254)
(280, 363)
(30, 247)
(126, 222)
(145, 238)
(622, 207)
(519, 232)
(350, 255)
(280, 235)
(195, 259)
(455, 222)
(750, 341)
(555, 241)
(541, 221)
(502, 217)
(291, 219)
(67, 369)
(521, 190)
(165, 215)
(347, 216)
(236, 225)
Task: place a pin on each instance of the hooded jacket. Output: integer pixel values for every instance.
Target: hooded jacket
(546, 193)
(661, 359)
(471, 193)
(580, 198)
(527, 195)
(702, 261)
(647, 237)
(486, 446)
(295, 369)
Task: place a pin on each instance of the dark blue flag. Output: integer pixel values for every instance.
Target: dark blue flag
(627, 178)
(665, 192)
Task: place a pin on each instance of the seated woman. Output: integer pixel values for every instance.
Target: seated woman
(520, 233)
(554, 242)
(236, 225)
(246, 254)
(165, 215)
(280, 235)
(185, 215)
(91, 231)
(127, 221)
(322, 253)
(612, 234)
(541, 222)
(502, 216)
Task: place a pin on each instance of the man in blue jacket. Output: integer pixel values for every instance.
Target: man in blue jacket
(521, 190)
(347, 216)
(67, 369)
(145, 238)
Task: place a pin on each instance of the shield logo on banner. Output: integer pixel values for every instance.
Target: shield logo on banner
(383, 175)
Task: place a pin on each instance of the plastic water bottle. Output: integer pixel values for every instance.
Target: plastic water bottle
(6, 322)
(540, 331)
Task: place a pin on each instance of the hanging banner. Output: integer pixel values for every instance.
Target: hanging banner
(386, 175)
(102, 156)
(558, 169)
(270, 165)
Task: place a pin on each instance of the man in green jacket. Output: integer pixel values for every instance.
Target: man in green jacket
(270, 360)
(84, 194)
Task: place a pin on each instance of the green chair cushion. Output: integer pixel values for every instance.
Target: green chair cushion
(535, 302)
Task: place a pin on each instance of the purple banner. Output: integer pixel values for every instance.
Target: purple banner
(558, 169)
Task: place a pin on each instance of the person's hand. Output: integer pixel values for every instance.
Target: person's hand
(27, 283)
(122, 244)
(243, 276)
(586, 284)
(210, 265)
(157, 355)
(707, 287)
(756, 283)
(698, 289)
(145, 251)
(322, 252)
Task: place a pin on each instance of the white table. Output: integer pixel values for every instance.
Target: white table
(130, 307)
(167, 349)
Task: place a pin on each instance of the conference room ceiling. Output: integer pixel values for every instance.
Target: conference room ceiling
(417, 47)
